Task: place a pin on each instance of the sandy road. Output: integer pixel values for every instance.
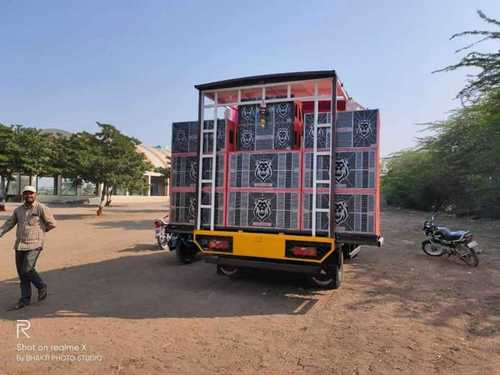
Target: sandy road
(130, 309)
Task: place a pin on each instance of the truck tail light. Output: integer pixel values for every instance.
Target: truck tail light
(223, 245)
(302, 251)
(306, 249)
(215, 243)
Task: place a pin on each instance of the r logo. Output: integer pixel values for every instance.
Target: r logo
(22, 326)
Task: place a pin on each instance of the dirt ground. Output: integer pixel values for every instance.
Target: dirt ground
(118, 306)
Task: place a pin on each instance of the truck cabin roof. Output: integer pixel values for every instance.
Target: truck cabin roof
(273, 79)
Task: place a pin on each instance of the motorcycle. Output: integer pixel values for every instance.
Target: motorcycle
(161, 234)
(185, 250)
(441, 241)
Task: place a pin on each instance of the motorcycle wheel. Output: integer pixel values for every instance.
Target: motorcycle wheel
(162, 241)
(431, 249)
(469, 257)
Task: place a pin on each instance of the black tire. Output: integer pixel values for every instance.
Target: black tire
(469, 257)
(184, 253)
(229, 271)
(331, 276)
(430, 250)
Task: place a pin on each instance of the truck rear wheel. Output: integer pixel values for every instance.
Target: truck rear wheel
(229, 271)
(185, 254)
(331, 276)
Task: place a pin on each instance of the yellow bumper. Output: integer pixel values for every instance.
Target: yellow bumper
(263, 245)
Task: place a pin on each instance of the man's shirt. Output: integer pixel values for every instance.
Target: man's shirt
(32, 223)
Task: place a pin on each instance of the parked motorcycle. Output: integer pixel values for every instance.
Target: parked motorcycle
(161, 234)
(185, 250)
(441, 241)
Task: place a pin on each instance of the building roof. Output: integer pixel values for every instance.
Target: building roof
(159, 158)
(266, 78)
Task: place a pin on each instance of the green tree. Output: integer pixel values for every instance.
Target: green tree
(460, 161)
(107, 157)
(6, 171)
(25, 150)
(488, 79)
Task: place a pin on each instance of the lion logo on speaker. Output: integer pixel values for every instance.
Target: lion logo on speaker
(263, 169)
(364, 128)
(262, 209)
(283, 109)
(341, 169)
(283, 137)
(192, 208)
(341, 213)
(193, 170)
(248, 113)
(181, 137)
(246, 138)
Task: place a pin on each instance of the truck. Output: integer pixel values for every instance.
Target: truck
(279, 172)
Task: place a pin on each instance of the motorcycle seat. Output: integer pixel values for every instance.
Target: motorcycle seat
(449, 235)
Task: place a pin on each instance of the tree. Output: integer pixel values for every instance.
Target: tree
(108, 158)
(460, 162)
(6, 137)
(25, 150)
(488, 79)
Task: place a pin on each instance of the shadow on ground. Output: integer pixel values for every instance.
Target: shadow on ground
(126, 224)
(156, 286)
(141, 247)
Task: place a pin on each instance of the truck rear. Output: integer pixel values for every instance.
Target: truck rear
(252, 183)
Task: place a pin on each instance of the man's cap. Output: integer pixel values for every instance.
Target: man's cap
(29, 188)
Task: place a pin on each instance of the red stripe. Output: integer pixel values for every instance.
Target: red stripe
(263, 190)
(183, 154)
(260, 152)
(356, 149)
(183, 189)
(370, 191)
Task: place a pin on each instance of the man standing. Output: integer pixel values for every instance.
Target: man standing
(33, 219)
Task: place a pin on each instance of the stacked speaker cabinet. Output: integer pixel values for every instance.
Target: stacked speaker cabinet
(264, 190)
(356, 172)
(184, 173)
(357, 205)
(264, 180)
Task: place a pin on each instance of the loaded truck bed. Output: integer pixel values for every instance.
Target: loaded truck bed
(251, 181)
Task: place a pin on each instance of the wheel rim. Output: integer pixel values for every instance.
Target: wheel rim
(229, 270)
(469, 258)
(163, 240)
(323, 279)
(432, 249)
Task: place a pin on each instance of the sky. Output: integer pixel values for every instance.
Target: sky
(134, 64)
